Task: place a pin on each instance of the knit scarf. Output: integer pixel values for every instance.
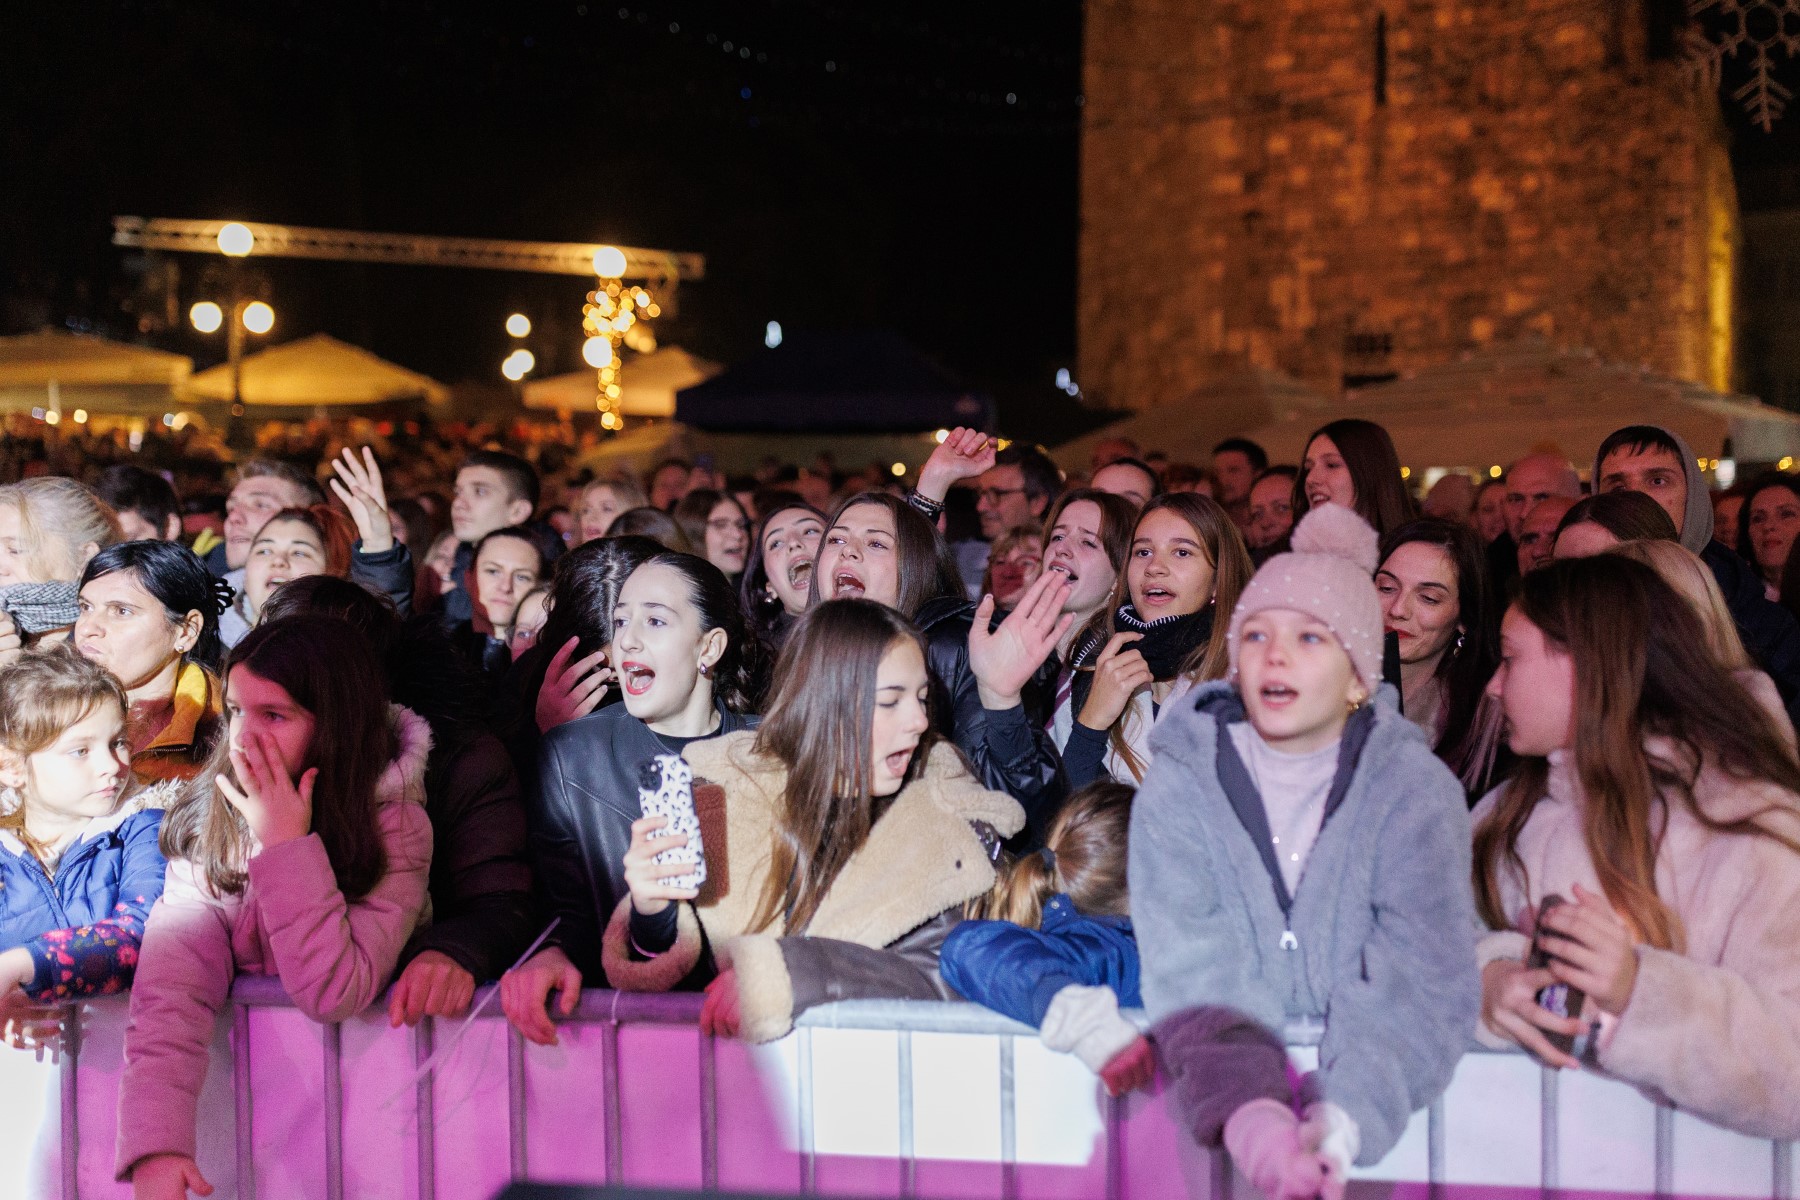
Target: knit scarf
(1167, 641)
(40, 607)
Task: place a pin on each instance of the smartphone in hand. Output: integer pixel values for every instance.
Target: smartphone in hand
(1559, 998)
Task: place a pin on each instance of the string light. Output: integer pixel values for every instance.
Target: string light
(614, 314)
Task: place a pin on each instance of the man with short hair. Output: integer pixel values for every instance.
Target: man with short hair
(264, 487)
(494, 490)
(1129, 477)
(1656, 462)
(1016, 490)
(1528, 483)
(1236, 462)
(145, 502)
(1537, 536)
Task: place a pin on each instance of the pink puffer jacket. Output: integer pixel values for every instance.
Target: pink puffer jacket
(334, 958)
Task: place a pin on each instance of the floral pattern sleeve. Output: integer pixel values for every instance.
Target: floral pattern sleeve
(99, 959)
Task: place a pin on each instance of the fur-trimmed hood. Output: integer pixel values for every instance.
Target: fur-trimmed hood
(404, 778)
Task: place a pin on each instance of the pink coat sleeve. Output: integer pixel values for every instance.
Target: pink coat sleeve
(334, 958)
(183, 981)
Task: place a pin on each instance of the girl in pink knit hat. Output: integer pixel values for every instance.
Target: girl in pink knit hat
(1299, 870)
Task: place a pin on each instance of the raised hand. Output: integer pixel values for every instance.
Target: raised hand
(1118, 675)
(359, 486)
(965, 454)
(571, 689)
(1004, 659)
(272, 806)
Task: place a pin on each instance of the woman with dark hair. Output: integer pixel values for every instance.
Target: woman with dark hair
(1598, 523)
(717, 527)
(1353, 463)
(848, 836)
(482, 914)
(567, 676)
(1435, 601)
(878, 547)
(689, 669)
(1159, 636)
(778, 578)
(301, 852)
(1661, 804)
(149, 613)
(1767, 527)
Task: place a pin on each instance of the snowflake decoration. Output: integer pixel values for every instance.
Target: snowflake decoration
(1752, 29)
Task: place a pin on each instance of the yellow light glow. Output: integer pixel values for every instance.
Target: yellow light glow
(609, 262)
(1406, 472)
(53, 417)
(623, 321)
(1786, 464)
(1494, 472)
(597, 352)
(519, 325)
(258, 317)
(941, 436)
(206, 316)
(609, 420)
(898, 469)
(653, 311)
(518, 364)
(236, 240)
(81, 416)
(614, 391)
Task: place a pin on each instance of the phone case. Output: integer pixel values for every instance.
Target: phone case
(666, 789)
(1559, 998)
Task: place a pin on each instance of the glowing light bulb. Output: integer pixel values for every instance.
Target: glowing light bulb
(597, 352)
(609, 262)
(899, 469)
(941, 436)
(1494, 472)
(518, 364)
(258, 317)
(519, 325)
(206, 316)
(236, 240)
(81, 416)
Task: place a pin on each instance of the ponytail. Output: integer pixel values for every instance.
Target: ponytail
(1084, 856)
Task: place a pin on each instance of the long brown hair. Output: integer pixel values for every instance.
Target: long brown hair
(1084, 856)
(1642, 670)
(1374, 467)
(329, 668)
(925, 566)
(818, 728)
(1230, 561)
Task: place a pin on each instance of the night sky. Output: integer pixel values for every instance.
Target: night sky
(840, 163)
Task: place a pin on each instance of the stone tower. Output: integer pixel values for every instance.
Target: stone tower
(1345, 189)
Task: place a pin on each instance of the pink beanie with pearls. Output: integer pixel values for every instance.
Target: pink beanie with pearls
(1330, 576)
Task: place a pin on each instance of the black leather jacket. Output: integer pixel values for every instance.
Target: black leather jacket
(585, 802)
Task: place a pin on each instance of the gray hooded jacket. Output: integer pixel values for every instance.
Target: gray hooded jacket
(1376, 943)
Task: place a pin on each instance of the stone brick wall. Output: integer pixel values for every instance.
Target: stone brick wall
(1246, 197)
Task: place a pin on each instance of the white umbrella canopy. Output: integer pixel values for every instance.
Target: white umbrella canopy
(317, 371)
(61, 370)
(647, 383)
(1227, 405)
(1491, 407)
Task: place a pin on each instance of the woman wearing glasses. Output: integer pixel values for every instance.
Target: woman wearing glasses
(718, 527)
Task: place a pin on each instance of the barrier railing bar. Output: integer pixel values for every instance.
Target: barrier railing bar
(709, 1113)
(240, 1081)
(68, 1054)
(1784, 1171)
(334, 1111)
(609, 1082)
(909, 1162)
(1224, 1180)
(1549, 1130)
(809, 1165)
(1009, 1122)
(1435, 1144)
(1115, 1148)
(515, 1102)
(1665, 1150)
(425, 1127)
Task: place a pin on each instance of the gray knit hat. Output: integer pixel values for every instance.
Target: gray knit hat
(1329, 575)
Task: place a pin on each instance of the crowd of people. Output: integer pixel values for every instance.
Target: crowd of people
(1246, 747)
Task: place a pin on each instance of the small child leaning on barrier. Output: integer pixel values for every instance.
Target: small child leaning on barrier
(1052, 944)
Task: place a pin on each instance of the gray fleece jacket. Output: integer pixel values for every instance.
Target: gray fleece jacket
(1375, 944)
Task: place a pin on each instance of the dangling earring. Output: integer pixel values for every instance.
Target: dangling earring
(1460, 635)
(10, 801)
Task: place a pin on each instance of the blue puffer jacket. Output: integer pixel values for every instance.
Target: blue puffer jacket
(1018, 971)
(83, 925)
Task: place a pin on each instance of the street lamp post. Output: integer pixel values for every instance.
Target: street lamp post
(245, 315)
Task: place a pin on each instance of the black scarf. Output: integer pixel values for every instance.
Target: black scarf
(1166, 644)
